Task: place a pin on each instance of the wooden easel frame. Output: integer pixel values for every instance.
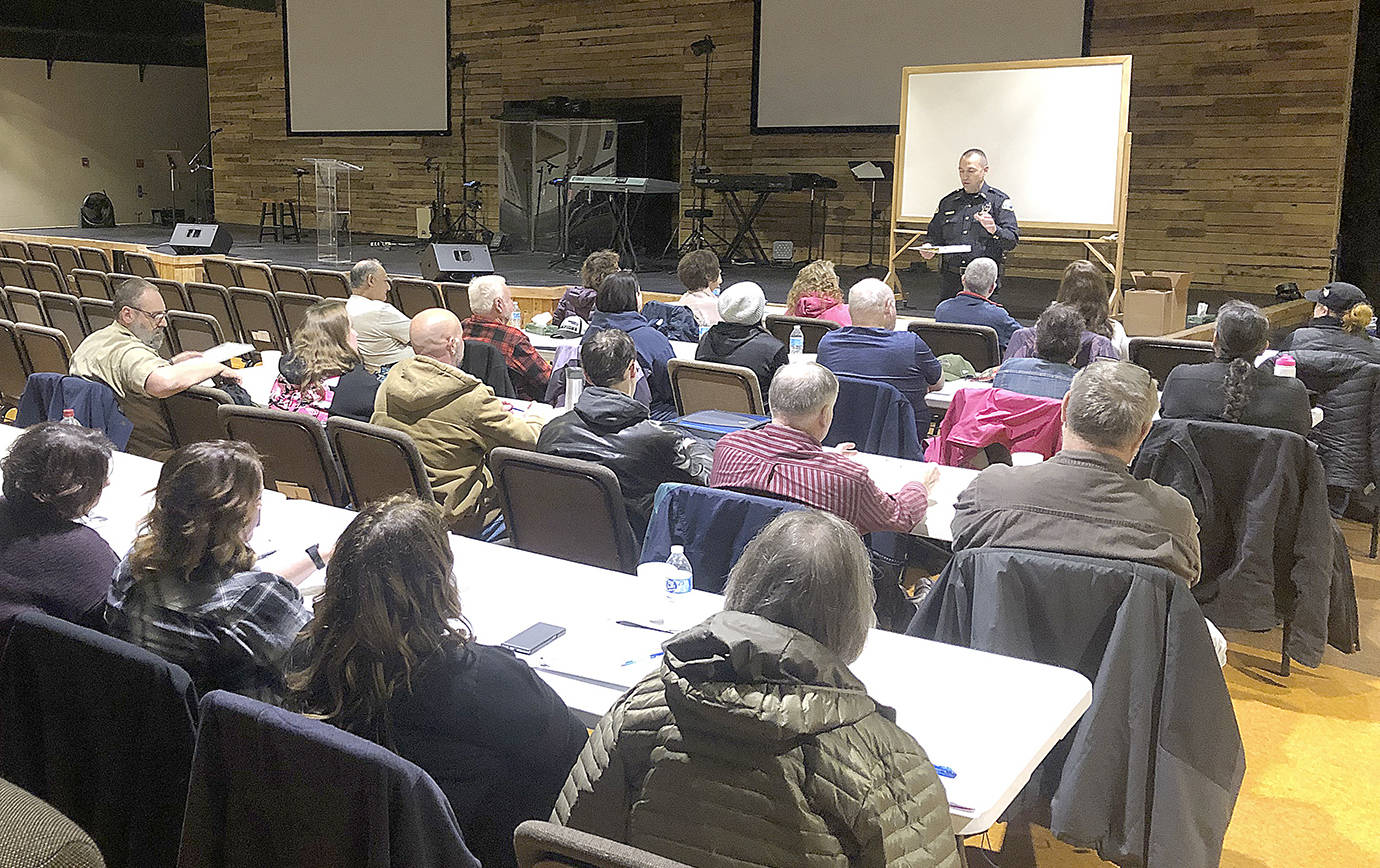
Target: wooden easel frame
(1106, 245)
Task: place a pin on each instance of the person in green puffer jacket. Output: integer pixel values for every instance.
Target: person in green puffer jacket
(754, 744)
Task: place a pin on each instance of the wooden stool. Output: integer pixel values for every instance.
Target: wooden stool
(288, 213)
(279, 219)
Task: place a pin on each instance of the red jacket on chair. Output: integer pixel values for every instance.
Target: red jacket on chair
(978, 418)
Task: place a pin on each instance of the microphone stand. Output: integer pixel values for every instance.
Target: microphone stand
(195, 165)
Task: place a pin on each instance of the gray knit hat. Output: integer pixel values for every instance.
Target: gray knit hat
(743, 303)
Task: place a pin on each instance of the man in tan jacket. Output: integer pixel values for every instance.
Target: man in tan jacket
(453, 418)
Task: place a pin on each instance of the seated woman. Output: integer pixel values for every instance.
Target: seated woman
(579, 300)
(1103, 338)
(1341, 314)
(390, 658)
(816, 293)
(49, 562)
(1232, 388)
(322, 374)
(1048, 373)
(699, 273)
(739, 339)
(753, 743)
(192, 590)
(618, 307)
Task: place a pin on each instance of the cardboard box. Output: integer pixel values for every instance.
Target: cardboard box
(1158, 305)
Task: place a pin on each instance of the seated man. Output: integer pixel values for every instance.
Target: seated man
(699, 273)
(124, 356)
(1048, 373)
(382, 329)
(974, 305)
(610, 427)
(785, 459)
(453, 418)
(1083, 501)
(491, 311)
(872, 349)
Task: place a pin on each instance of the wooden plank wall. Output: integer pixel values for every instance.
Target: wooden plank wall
(1238, 108)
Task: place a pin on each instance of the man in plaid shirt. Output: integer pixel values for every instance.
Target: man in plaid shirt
(785, 459)
(491, 310)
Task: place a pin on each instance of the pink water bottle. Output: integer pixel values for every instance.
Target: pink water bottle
(1284, 366)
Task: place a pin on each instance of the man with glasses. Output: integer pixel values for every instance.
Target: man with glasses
(124, 356)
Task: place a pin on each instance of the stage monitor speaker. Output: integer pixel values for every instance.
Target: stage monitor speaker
(456, 263)
(189, 239)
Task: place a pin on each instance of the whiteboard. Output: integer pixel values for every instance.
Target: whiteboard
(1053, 132)
(367, 66)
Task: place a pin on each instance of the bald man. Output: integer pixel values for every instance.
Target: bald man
(454, 419)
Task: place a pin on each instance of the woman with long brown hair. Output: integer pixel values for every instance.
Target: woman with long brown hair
(1083, 288)
(816, 293)
(389, 657)
(323, 375)
(192, 589)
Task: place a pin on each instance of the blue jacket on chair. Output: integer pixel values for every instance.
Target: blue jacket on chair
(46, 395)
(875, 417)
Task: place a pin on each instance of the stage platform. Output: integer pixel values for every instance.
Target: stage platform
(1024, 297)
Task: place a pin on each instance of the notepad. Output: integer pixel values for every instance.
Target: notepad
(947, 248)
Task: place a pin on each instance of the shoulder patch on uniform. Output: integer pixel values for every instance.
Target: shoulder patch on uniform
(1007, 206)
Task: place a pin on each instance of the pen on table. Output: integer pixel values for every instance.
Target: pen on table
(643, 626)
(649, 657)
(945, 771)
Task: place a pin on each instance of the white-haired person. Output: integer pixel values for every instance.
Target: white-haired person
(490, 321)
(738, 338)
(872, 349)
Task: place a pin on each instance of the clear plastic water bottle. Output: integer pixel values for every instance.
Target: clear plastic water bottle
(797, 349)
(680, 579)
(516, 317)
(574, 384)
(69, 417)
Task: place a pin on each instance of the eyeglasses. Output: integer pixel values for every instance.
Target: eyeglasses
(157, 316)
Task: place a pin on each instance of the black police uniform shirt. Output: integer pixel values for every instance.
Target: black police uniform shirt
(955, 222)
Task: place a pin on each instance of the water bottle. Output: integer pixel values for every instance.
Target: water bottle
(797, 343)
(516, 317)
(1284, 366)
(574, 384)
(704, 330)
(69, 417)
(679, 577)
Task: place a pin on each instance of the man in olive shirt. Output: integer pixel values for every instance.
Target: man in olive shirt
(124, 356)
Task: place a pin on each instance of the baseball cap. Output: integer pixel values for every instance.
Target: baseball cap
(1337, 296)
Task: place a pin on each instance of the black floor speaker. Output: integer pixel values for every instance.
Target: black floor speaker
(193, 238)
(455, 263)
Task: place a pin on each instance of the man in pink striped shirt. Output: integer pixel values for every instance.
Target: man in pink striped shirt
(785, 459)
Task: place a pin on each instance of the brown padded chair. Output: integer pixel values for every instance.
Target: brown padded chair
(377, 462)
(457, 299)
(1159, 356)
(214, 300)
(34, 833)
(327, 283)
(255, 275)
(977, 344)
(91, 284)
(140, 264)
(173, 292)
(290, 278)
(14, 250)
(95, 259)
(99, 313)
(813, 329)
(190, 331)
(220, 271)
(294, 450)
(40, 251)
(711, 386)
(565, 508)
(64, 313)
(47, 349)
(412, 296)
(191, 415)
(13, 272)
(260, 322)
(25, 305)
(14, 365)
(45, 277)
(293, 308)
(540, 844)
(66, 258)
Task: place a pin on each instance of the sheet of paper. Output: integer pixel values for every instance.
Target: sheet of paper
(228, 350)
(608, 654)
(868, 171)
(947, 248)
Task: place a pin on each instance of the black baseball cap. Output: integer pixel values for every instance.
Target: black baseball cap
(1338, 297)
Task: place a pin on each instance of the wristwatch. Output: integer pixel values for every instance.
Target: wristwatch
(314, 552)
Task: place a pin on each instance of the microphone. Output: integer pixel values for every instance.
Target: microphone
(216, 130)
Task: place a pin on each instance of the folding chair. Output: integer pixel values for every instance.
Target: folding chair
(293, 307)
(220, 271)
(977, 344)
(290, 278)
(190, 331)
(46, 348)
(64, 313)
(66, 258)
(40, 251)
(565, 508)
(25, 305)
(255, 275)
(413, 296)
(174, 294)
(45, 277)
(15, 250)
(712, 386)
(99, 313)
(376, 461)
(191, 415)
(95, 259)
(208, 298)
(260, 322)
(14, 365)
(812, 329)
(140, 264)
(13, 272)
(457, 299)
(328, 284)
(297, 459)
(91, 284)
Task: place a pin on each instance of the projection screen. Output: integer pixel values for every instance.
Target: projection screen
(368, 67)
(826, 64)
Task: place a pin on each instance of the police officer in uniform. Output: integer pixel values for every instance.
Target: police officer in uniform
(975, 214)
